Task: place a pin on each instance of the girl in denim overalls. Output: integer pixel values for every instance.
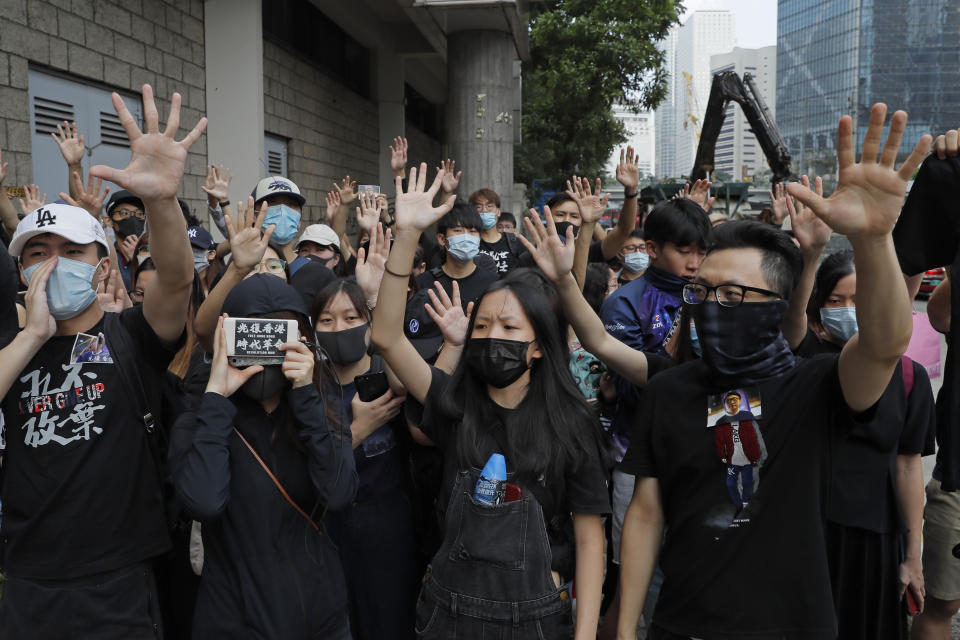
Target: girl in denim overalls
(499, 570)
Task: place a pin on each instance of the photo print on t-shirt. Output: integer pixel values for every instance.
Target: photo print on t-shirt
(88, 348)
(734, 419)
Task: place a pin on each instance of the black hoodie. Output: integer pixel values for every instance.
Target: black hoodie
(267, 573)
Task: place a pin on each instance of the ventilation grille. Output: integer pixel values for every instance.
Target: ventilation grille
(275, 163)
(111, 131)
(47, 114)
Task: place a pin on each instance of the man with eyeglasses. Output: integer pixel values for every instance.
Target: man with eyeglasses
(762, 572)
(124, 225)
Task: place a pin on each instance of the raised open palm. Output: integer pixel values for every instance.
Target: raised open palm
(157, 159)
(870, 193)
(414, 209)
(590, 202)
(554, 257)
(811, 232)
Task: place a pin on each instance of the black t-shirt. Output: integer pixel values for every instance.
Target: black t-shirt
(504, 252)
(471, 286)
(866, 461)
(585, 492)
(80, 489)
(759, 569)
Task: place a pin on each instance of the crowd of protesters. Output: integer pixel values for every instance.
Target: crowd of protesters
(709, 427)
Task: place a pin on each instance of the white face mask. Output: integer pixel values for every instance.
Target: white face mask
(70, 287)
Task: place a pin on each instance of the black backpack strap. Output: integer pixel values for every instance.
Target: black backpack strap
(121, 350)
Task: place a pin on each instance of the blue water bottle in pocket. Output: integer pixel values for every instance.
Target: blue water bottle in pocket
(492, 483)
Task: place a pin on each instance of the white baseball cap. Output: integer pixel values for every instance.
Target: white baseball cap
(73, 223)
(321, 234)
(276, 185)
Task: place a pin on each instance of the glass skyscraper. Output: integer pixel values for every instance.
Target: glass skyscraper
(838, 57)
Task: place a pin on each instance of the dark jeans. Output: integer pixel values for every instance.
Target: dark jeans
(120, 604)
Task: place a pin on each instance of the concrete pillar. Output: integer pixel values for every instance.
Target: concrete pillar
(391, 119)
(479, 112)
(233, 31)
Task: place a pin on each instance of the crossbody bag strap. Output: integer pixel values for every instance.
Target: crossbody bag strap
(277, 482)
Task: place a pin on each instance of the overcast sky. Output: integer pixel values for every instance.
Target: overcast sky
(756, 19)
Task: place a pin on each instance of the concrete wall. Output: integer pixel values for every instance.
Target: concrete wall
(423, 148)
(118, 44)
(331, 131)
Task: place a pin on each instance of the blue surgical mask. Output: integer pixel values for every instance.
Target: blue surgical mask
(463, 247)
(488, 220)
(636, 262)
(69, 288)
(695, 340)
(841, 322)
(285, 219)
(200, 262)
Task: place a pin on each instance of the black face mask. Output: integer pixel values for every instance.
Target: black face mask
(562, 229)
(743, 344)
(344, 347)
(131, 226)
(499, 363)
(265, 384)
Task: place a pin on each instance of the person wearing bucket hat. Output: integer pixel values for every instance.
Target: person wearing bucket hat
(284, 209)
(260, 462)
(85, 462)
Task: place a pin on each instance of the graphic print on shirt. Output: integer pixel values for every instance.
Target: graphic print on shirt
(733, 417)
(502, 258)
(88, 348)
(61, 410)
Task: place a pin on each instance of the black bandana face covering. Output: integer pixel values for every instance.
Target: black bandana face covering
(743, 344)
(344, 347)
(265, 384)
(498, 362)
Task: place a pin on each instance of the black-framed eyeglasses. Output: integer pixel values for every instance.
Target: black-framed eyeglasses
(727, 295)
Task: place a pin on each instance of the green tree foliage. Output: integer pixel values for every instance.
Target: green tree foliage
(587, 55)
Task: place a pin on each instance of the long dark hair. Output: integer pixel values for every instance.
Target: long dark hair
(553, 426)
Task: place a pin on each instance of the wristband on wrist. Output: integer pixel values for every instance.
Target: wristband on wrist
(627, 196)
(386, 269)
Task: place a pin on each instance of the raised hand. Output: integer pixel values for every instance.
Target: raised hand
(811, 232)
(297, 364)
(217, 184)
(451, 180)
(946, 145)
(414, 209)
(114, 296)
(347, 190)
(869, 193)
(157, 159)
(70, 142)
(628, 171)
(448, 314)
(553, 257)
(778, 202)
(225, 378)
(39, 323)
(333, 204)
(3, 169)
(590, 202)
(31, 200)
(90, 198)
(371, 263)
(247, 244)
(699, 193)
(368, 213)
(398, 155)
